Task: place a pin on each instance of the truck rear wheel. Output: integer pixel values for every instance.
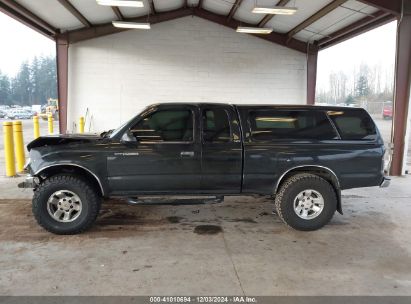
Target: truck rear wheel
(65, 204)
(306, 202)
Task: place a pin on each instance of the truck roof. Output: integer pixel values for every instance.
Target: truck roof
(266, 106)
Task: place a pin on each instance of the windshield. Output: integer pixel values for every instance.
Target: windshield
(116, 131)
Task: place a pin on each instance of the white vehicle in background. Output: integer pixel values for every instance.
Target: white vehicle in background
(18, 113)
(2, 113)
(36, 109)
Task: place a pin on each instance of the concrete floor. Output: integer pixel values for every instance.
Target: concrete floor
(159, 250)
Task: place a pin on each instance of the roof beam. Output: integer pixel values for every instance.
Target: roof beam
(152, 7)
(70, 7)
(352, 27)
(367, 26)
(268, 17)
(318, 15)
(20, 13)
(233, 9)
(274, 37)
(108, 28)
(117, 12)
(389, 6)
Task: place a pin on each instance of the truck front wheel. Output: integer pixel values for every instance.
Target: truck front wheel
(306, 202)
(65, 204)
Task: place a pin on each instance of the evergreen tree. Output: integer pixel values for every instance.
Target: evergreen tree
(362, 88)
(34, 83)
(22, 86)
(350, 100)
(5, 89)
(35, 79)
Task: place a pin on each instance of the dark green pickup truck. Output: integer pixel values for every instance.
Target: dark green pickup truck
(302, 156)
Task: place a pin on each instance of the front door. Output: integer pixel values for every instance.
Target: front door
(222, 150)
(166, 157)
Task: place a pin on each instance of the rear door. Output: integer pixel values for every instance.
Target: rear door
(221, 150)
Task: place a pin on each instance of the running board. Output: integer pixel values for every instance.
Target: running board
(174, 200)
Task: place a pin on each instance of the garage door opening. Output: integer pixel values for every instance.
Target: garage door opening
(360, 73)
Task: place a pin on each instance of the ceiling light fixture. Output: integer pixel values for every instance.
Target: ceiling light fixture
(276, 10)
(129, 3)
(132, 25)
(254, 30)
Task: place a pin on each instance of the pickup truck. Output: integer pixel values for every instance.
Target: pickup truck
(301, 156)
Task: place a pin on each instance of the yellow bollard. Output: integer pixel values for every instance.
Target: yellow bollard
(50, 119)
(36, 127)
(19, 145)
(81, 125)
(9, 148)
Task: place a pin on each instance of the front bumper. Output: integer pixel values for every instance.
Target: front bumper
(385, 182)
(29, 182)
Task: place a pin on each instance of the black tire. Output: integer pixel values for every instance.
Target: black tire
(89, 197)
(284, 201)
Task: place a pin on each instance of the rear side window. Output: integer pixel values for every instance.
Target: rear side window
(216, 126)
(353, 124)
(290, 124)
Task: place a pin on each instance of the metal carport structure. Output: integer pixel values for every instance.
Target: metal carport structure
(321, 24)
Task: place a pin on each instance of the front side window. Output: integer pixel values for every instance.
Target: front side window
(353, 124)
(269, 125)
(165, 126)
(216, 126)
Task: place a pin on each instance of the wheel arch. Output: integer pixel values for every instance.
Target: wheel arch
(321, 171)
(75, 169)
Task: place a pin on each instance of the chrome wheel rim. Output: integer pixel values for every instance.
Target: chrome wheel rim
(308, 204)
(64, 206)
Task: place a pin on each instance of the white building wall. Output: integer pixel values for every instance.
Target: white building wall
(190, 59)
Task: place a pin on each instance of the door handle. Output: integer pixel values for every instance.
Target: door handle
(187, 154)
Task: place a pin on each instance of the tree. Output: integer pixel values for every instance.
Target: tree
(364, 83)
(350, 100)
(34, 83)
(362, 88)
(5, 89)
(22, 86)
(35, 79)
(338, 86)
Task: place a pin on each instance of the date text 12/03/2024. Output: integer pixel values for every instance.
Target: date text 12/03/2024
(204, 299)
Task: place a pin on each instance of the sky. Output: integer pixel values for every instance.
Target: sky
(20, 43)
(374, 47)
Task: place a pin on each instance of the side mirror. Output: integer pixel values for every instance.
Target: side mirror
(128, 138)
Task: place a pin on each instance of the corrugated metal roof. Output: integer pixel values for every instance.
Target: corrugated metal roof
(342, 14)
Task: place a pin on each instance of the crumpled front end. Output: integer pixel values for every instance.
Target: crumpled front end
(61, 139)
